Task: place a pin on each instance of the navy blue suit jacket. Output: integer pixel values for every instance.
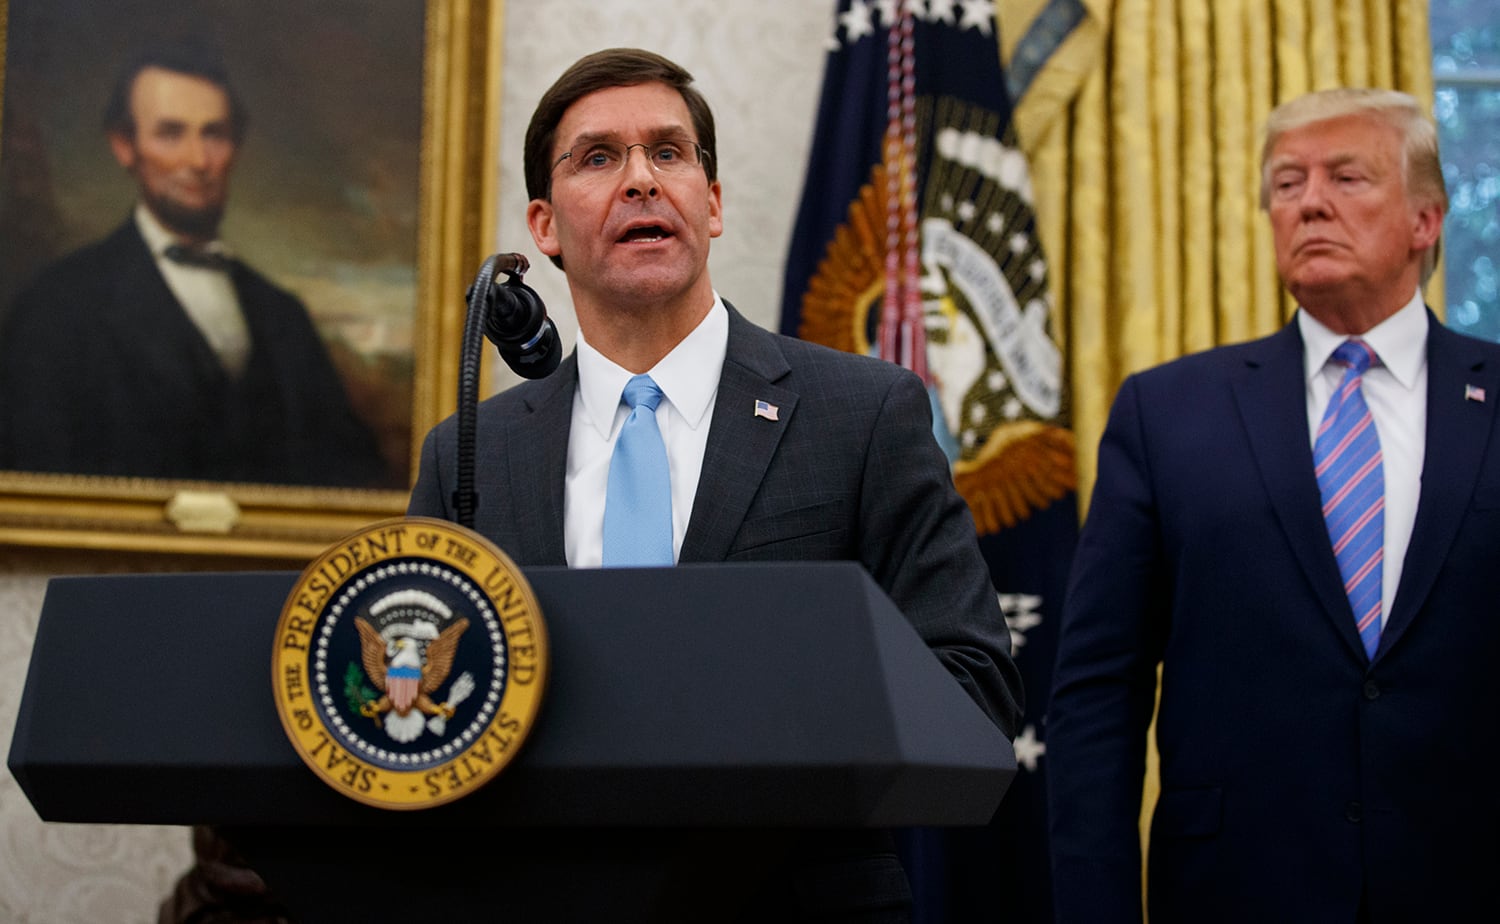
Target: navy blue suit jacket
(1300, 780)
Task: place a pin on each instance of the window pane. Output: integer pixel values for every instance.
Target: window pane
(1466, 63)
(1469, 127)
(1465, 35)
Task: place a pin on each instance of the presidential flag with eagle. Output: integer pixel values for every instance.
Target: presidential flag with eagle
(916, 242)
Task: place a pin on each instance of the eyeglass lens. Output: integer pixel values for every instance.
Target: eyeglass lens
(607, 157)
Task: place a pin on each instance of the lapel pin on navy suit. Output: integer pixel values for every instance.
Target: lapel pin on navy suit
(1473, 393)
(769, 411)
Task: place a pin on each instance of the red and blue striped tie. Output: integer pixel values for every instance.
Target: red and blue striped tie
(1346, 455)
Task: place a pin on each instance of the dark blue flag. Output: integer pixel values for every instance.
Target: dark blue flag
(916, 242)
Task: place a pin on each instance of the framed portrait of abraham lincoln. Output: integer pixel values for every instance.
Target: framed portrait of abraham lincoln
(236, 245)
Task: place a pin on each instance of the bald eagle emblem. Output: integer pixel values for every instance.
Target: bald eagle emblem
(410, 663)
(1000, 391)
(408, 660)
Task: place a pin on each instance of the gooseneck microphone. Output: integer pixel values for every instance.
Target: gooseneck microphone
(512, 316)
(517, 323)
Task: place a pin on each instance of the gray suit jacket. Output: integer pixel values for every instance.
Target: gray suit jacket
(849, 471)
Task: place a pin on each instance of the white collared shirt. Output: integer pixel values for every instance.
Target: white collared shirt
(1396, 392)
(689, 380)
(207, 295)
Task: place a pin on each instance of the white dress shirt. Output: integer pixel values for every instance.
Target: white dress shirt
(1396, 393)
(689, 380)
(207, 295)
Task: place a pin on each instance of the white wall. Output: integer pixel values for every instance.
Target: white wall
(759, 64)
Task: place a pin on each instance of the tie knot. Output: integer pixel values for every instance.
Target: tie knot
(1356, 354)
(641, 390)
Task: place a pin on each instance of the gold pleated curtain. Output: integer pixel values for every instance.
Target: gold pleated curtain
(1147, 178)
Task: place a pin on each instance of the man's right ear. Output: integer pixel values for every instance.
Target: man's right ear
(123, 147)
(540, 221)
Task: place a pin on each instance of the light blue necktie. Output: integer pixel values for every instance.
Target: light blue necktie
(638, 505)
(1351, 477)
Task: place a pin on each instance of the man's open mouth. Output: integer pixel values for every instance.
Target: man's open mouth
(647, 234)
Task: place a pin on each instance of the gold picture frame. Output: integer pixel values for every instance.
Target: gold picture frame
(457, 177)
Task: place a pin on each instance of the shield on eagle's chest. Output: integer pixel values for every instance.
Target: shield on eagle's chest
(402, 684)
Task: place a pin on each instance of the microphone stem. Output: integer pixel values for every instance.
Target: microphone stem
(465, 499)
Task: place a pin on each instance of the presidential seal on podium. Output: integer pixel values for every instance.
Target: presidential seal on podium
(409, 663)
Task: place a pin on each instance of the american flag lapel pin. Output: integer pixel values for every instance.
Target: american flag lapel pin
(1473, 393)
(766, 409)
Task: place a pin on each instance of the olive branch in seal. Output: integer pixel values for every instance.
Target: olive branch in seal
(355, 688)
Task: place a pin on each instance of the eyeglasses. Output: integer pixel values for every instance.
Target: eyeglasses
(670, 157)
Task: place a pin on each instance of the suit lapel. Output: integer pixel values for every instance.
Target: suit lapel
(1457, 431)
(1271, 393)
(176, 351)
(538, 443)
(740, 443)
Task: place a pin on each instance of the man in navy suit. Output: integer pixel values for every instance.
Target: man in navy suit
(153, 352)
(777, 449)
(1310, 771)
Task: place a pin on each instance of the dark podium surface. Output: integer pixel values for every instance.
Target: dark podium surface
(696, 697)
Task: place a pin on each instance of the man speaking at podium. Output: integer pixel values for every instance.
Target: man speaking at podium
(679, 432)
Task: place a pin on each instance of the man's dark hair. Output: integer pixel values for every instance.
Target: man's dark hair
(191, 58)
(613, 67)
